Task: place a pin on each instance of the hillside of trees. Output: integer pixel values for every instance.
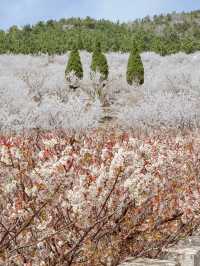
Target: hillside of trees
(163, 34)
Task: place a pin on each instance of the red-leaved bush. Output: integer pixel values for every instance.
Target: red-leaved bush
(95, 198)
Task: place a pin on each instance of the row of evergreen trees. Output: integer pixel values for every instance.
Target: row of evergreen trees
(135, 69)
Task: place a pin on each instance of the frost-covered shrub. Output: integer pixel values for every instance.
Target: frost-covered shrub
(176, 73)
(29, 83)
(35, 94)
(34, 80)
(21, 107)
(163, 109)
(76, 114)
(170, 95)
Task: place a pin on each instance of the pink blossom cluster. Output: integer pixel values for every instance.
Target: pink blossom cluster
(88, 198)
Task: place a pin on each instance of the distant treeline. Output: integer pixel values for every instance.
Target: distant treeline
(164, 34)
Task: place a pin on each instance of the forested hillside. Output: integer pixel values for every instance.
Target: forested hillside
(163, 34)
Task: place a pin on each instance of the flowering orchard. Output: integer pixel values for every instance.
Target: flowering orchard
(35, 94)
(95, 198)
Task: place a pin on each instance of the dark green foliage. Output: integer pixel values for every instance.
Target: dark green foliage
(74, 64)
(80, 45)
(188, 46)
(162, 34)
(135, 69)
(99, 62)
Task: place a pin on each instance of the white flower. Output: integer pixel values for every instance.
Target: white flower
(31, 192)
(60, 243)
(82, 179)
(5, 157)
(128, 183)
(64, 204)
(15, 152)
(104, 154)
(133, 142)
(146, 148)
(41, 155)
(67, 150)
(118, 159)
(40, 245)
(84, 151)
(65, 159)
(101, 179)
(50, 142)
(11, 186)
(42, 226)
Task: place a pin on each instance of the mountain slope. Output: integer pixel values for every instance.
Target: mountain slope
(164, 34)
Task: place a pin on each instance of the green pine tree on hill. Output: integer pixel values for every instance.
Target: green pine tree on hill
(74, 64)
(99, 62)
(135, 69)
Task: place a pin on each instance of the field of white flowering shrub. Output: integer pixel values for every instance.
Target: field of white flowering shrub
(35, 94)
(76, 192)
